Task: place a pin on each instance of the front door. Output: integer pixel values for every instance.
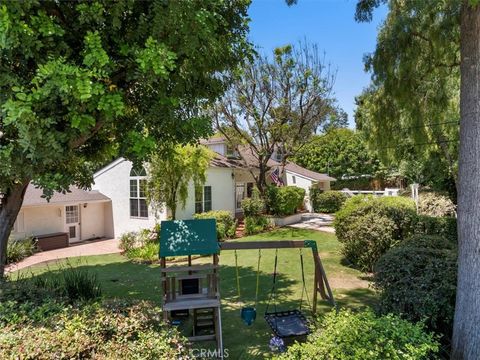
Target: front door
(239, 195)
(72, 222)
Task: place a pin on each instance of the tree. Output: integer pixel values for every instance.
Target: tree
(415, 83)
(277, 103)
(459, 34)
(338, 152)
(82, 80)
(170, 173)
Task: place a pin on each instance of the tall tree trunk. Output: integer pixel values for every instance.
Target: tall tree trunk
(466, 328)
(9, 208)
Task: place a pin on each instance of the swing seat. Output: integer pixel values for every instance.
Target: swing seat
(248, 315)
(288, 323)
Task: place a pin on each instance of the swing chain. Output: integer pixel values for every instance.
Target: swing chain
(238, 276)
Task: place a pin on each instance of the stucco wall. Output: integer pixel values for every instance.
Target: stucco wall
(222, 183)
(114, 182)
(92, 220)
(38, 221)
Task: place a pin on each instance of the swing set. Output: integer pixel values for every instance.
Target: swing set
(284, 323)
(194, 289)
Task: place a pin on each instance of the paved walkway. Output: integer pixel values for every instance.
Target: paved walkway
(86, 248)
(319, 222)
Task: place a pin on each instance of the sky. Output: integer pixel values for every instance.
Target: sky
(331, 25)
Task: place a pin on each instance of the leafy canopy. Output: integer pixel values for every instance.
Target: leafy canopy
(81, 81)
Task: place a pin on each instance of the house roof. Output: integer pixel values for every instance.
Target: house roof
(33, 196)
(292, 167)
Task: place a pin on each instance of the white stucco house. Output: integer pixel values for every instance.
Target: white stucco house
(117, 202)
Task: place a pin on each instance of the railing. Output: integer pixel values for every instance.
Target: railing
(386, 192)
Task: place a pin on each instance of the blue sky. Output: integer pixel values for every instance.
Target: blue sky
(328, 23)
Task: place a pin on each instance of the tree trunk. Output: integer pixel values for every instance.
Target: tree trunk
(466, 329)
(9, 208)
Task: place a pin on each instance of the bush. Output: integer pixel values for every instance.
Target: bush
(255, 224)
(437, 205)
(113, 330)
(327, 202)
(367, 227)
(442, 226)
(417, 280)
(284, 200)
(128, 241)
(148, 253)
(253, 206)
(226, 224)
(18, 250)
(363, 336)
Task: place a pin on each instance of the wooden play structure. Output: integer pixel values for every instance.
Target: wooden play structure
(192, 291)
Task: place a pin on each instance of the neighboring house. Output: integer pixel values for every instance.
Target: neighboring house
(117, 203)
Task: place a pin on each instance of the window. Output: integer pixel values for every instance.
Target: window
(203, 199)
(294, 180)
(239, 194)
(138, 195)
(249, 189)
(71, 214)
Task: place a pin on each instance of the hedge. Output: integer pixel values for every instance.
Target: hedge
(417, 280)
(284, 200)
(368, 226)
(328, 201)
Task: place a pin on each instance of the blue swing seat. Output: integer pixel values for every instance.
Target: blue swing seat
(248, 315)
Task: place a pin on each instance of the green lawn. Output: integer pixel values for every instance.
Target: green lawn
(124, 279)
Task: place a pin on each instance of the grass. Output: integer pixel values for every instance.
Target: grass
(122, 278)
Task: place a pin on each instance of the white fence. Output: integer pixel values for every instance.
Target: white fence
(386, 192)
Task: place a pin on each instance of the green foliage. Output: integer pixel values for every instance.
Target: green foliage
(171, 172)
(128, 241)
(437, 205)
(328, 201)
(417, 280)
(367, 227)
(254, 205)
(256, 224)
(339, 152)
(146, 253)
(284, 200)
(81, 82)
(414, 96)
(442, 226)
(226, 224)
(360, 183)
(110, 330)
(363, 336)
(18, 250)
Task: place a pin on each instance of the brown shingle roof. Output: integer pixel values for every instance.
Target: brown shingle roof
(33, 196)
(291, 166)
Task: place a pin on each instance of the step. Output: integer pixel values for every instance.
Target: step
(204, 323)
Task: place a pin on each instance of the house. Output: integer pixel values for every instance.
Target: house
(117, 203)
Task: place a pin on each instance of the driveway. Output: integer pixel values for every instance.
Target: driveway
(86, 248)
(319, 222)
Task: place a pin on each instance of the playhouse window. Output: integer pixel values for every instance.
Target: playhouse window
(138, 195)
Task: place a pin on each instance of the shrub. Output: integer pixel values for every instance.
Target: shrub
(434, 204)
(226, 224)
(18, 250)
(253, 206)
(367, 227)
(363, 336)
(148, 253)
(113, 330)
(442, 226)
(128, 241)
(80, 284)
(417, 280)
(328, 202)
(284, 200)
(255, 224)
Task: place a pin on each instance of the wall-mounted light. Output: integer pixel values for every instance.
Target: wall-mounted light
(85, 205)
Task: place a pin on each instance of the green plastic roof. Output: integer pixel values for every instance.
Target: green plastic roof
(188, 237)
